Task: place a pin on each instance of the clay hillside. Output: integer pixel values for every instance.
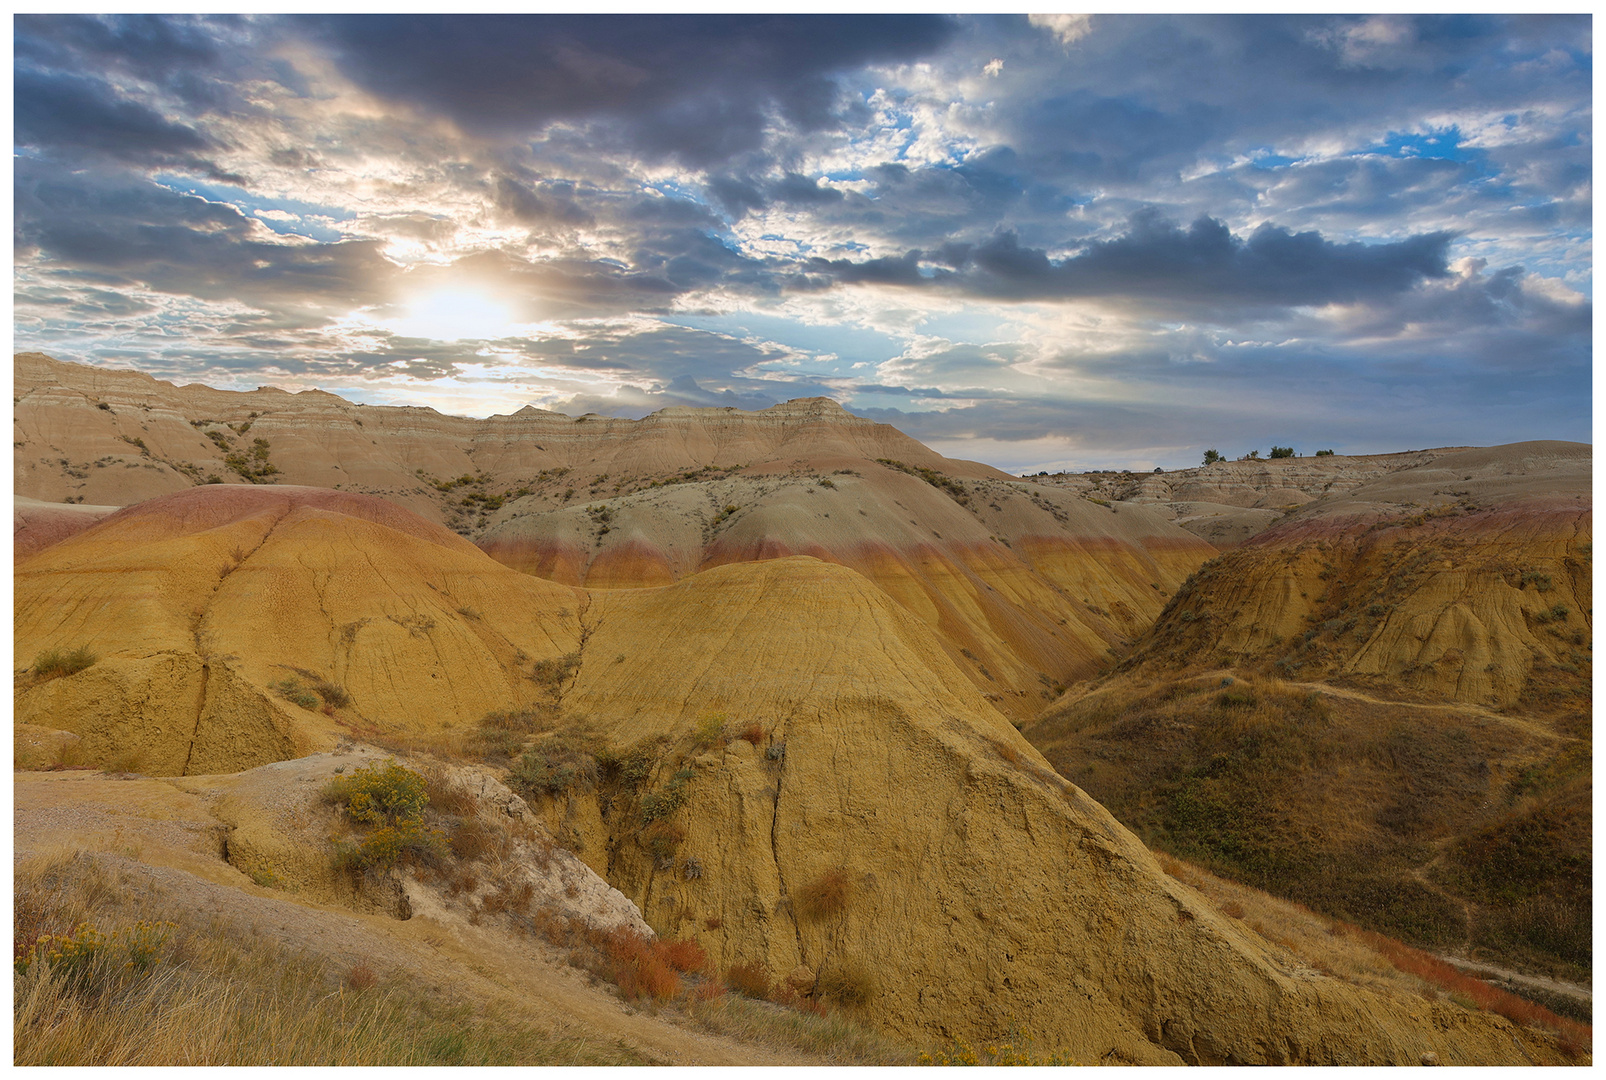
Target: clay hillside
(698, 739)
(1379, 706)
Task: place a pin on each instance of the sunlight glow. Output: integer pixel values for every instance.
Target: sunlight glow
(457, 315)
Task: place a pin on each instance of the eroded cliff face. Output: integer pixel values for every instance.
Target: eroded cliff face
(861, 821)
(94, 435)
(1468, 578)
(885, 827)
(1030, 588)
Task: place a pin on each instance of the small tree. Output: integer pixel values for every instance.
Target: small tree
(1324, 453)
(1282, 451)
(1212, 456)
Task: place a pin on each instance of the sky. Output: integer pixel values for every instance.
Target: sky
(1051, 242)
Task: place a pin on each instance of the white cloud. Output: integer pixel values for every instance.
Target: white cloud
(1067, 27)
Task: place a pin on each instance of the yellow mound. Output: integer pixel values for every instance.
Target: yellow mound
(197, 604)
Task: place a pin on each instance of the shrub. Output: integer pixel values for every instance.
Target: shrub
(752, 733)
(825, 896)
(1236, 699)
(847, 982)
(388, 845)
(710, 730)
(552, 768)
(494, 744)
(292, 691)
(1282, 451)
(553, 673)
(331, 693)
(687, 955)
(664, 802)
(1324, 453)
(361, 977)
(380, 794)
(632, 765)
(750, 979)
(89, 956)
(1212, 456)
(639, 966)
(662, 839)
(54, 663)
(1538, 580)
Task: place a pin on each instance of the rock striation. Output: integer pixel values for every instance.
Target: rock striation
(1029, 587)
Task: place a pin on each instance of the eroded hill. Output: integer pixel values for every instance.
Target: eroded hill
(885, 828)
(1381, 707)
(1028, 588)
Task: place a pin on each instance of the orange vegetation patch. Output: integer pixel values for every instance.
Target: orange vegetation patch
(1491, 999)
(646, 968)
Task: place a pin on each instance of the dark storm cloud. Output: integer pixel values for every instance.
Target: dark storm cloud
(167, 50)
(693, 87)
(124, 229)
(539, 204)
(1160, 263)
(74, 116)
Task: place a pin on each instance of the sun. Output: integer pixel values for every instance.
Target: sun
(456, 315)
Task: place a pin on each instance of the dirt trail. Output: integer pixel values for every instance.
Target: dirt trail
(1538, 982)
(1464, 708)
(165, 844)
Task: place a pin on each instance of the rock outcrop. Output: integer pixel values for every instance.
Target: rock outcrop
(1227, 502)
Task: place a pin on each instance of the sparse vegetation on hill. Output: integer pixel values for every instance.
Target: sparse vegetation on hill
(1382, 815)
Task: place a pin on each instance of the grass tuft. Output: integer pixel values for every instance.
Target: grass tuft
(56, 663)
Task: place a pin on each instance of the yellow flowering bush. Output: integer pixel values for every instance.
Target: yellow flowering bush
(87, 950)
(392, 798)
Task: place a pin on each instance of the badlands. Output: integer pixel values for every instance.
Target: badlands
(839, 717)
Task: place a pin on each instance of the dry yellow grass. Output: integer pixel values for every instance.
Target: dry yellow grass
(833, 1036)
(212, 998)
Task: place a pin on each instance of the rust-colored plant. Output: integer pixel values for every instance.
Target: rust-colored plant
(750, 979)
(684, 955)
(825, 896)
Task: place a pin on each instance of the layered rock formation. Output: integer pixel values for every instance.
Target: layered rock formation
(1227, 502)
(1468, 577)
(1029, 587)
(884, 819)
(85, 434)
(1379, 707)
(197, 603)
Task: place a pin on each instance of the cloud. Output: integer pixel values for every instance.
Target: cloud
(1068, 28)
(1160, 265)
(1007, 228)
(698, 88)
(128, 231)
(75, 115)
